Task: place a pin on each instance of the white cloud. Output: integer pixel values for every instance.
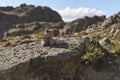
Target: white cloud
(69, 14)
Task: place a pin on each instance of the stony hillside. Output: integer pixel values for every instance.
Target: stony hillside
(25, 14)
(81, 24)
(30, 22)
(91, 50)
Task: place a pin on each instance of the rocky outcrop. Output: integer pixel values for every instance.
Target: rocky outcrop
(115, 30)
(22, 57)
(30, 13)
(6, 21)
(81, 24)
(114, 19)
(27, 14)
(8, 8)
(59, 25)
(33, 28)
(23, 29)
(40, 14)
(34, 62)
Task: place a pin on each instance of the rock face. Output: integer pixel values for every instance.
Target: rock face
(34, 62)
(111, 20)
(81, 24)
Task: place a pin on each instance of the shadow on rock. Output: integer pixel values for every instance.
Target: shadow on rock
(65, 45)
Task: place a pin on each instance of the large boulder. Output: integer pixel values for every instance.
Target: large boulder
(8, 19)
(31, 61)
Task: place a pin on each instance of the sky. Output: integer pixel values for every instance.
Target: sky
(72, 9)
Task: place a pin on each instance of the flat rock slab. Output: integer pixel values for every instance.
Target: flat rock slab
(22, 53)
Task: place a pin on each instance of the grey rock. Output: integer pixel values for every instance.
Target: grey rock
(105, 41)
(34, 62)
(114, 19)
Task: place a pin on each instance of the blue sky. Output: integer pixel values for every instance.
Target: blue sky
(74, 8)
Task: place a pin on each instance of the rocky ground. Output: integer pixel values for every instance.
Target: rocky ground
(58, 62)
(12, 56)
(91, 50)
